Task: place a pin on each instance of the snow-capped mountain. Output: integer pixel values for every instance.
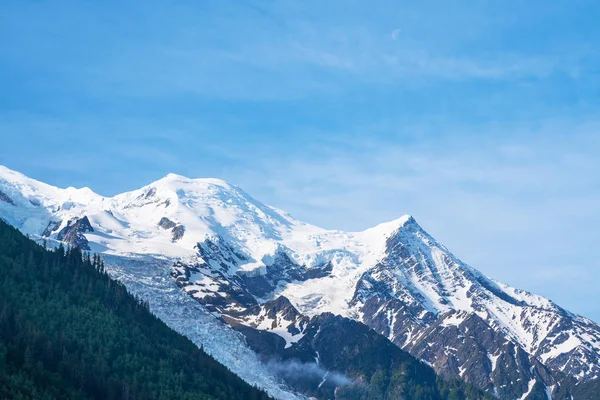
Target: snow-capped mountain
(234, 254)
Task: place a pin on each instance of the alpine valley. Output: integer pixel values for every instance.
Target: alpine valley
(303, 311)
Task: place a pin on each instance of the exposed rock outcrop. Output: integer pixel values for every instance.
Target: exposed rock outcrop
(52, 227)
(166, 223)
(73, 233)
(177, 229)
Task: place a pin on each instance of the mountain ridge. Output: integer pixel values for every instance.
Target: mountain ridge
(231, 252)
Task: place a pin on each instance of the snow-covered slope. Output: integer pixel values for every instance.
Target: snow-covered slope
(231, 252)
(130, 223)
(445, 312)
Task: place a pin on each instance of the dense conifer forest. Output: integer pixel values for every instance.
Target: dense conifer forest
(68, 331)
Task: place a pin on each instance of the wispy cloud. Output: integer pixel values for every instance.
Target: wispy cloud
(273, 52)
(310, 372)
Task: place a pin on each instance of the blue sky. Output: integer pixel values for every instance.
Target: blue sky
(480, 118)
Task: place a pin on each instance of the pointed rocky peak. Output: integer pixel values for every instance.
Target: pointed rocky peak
(407, 224)
(393, 226)
(410, 233)
(73, 232)
(281, 305)
(389, 233)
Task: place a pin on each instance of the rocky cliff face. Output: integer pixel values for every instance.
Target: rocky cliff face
(74, 233)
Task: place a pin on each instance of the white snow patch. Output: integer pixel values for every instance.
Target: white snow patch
(531, 384)
(564, 347)
(493, 360)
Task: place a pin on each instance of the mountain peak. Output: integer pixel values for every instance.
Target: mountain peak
(392, 226)
(34, 191)
(172, 177)
(176, 181)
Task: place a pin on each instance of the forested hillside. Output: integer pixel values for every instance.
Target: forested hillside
(68, 331)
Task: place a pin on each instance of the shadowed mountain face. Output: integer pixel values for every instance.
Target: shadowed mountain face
(234, 255)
